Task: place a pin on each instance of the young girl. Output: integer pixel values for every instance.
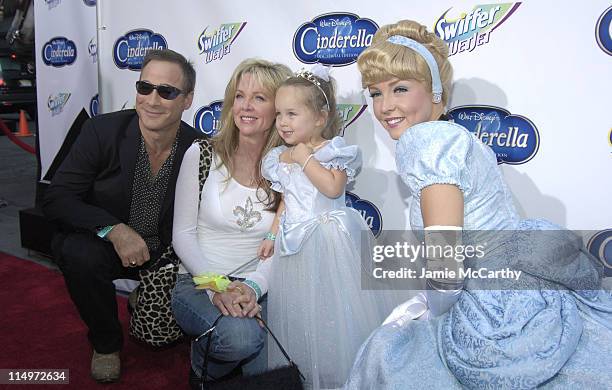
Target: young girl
(316, 306)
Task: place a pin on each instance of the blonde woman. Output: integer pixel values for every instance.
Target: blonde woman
(231, 223)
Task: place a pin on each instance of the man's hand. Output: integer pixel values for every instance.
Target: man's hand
(130, 247)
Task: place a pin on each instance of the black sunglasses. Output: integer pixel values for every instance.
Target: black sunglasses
(165, 91)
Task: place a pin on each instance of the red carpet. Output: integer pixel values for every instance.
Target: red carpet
(40, 328)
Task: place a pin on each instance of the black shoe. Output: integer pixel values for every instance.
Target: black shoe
(194, 380)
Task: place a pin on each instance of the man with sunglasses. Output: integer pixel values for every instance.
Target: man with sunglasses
(113, 198)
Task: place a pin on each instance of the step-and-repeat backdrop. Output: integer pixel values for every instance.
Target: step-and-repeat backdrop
(532, 80)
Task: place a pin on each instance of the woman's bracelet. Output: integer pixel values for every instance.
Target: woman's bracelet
(255, 287)
(307, 160)
(270, 236)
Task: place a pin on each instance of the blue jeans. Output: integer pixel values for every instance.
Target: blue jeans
(235, 341)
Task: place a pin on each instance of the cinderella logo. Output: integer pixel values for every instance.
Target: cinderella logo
(474, 28)
(334, 39)
(94, 105)
(56, 103)
(349, 113)
(600, 246)
(130, 49)
(514, 138)
(367, 209)
(215, 44)
(603, 31)
(207, 118)
(59, 51)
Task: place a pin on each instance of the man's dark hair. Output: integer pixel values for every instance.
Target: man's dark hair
(168, 55)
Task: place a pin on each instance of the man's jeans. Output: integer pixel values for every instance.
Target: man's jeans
(235, 341)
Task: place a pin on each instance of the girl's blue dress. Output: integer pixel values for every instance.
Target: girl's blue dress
(316, 306)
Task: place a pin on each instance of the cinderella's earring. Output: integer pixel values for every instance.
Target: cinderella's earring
(437, 97)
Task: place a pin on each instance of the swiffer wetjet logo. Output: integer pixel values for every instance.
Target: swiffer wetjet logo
(215, 44)
(56, 103)
(53, 3)
(603, 31)
(130, 49)
(370, 213)
(334, 39)
(474, 28)
(349, 113)
(59, 51)
(600, 246)
(514, 138)
(94, 106)
(90, 3)
(207, 118)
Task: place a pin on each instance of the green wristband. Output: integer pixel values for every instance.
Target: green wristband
(102, 232)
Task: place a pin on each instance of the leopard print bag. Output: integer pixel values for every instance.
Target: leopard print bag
(152, 321)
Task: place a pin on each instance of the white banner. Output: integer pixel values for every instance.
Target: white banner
(531, 78)
(66, 69)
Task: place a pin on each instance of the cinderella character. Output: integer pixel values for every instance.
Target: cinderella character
(551, 329)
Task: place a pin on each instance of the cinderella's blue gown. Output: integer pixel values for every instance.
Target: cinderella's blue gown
(316, 306)
(554, 332)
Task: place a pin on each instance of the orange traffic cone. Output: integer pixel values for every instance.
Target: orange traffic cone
(24, 130)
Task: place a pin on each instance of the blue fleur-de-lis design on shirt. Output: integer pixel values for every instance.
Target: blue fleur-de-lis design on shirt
(247, 217)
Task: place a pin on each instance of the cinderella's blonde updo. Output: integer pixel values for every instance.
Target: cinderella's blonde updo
(385, 60)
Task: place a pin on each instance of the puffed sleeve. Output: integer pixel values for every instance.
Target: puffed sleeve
(270, 166)
(338, 155)
(434, 153)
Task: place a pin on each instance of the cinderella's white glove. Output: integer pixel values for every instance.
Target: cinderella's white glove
(443, 291)
(412, 309)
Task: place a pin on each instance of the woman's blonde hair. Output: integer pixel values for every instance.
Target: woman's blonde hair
(269, 75)
(385, 60)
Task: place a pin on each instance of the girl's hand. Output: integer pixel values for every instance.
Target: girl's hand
(300, 153)
(266, 249)
(286, 156)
